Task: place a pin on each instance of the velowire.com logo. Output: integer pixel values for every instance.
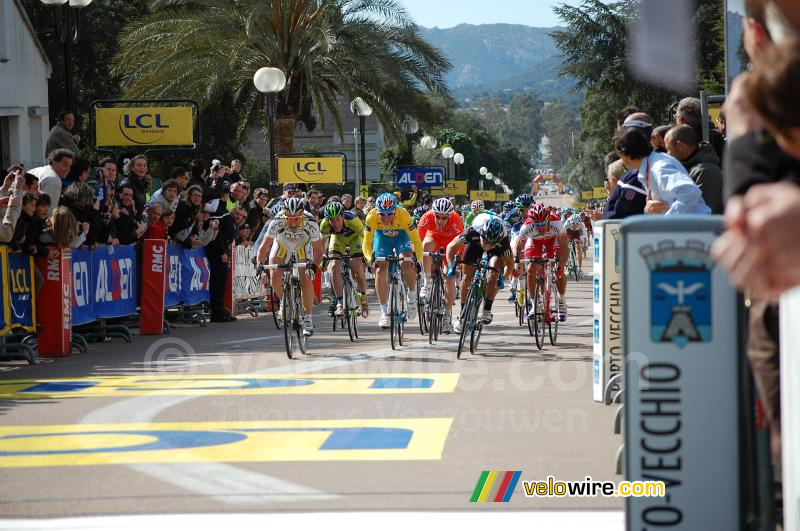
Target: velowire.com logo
(495, 486)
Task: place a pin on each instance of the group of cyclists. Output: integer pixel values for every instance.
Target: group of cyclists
(522, 229)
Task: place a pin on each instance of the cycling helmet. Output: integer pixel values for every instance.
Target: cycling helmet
(477, 205)
(419, 211)
(293, 206)
(575, 218)
(386, 204)
(508, 205)
(539, 213)
(276, 209)
(442, 206)
(524, 201)
(493, 230)
(333, 210)
(464, 208)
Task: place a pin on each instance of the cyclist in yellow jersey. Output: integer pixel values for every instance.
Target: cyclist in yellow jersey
(388, 228)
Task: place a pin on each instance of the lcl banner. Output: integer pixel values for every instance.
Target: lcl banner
(144, 126)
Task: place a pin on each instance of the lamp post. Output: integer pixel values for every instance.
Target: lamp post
(483, 171)
(448, 154)
(360, 108)
(68, 34)
(270, 81)
(458, 160)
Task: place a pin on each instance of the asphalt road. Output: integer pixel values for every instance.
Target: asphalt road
(218, 420)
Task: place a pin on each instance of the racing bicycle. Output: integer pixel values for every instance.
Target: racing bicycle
(397, 297)
(433, 309)
(471, 326)
(293, 313)
(351, 302)
(545, 303)
(572, 265)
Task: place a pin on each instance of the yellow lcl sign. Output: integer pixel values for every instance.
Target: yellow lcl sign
(144, 126)
(311, 170)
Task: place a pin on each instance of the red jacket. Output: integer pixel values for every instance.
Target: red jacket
(156, 231)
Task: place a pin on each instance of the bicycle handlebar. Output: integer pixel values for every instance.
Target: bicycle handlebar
(393, 259)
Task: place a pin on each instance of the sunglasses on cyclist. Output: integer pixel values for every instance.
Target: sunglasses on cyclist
(443, 217)
(294, 219)
(541, 225)
(386, 215)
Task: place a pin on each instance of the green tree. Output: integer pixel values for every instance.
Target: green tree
(560, 124)
(594, 44)
(329, 49)
(523, 125)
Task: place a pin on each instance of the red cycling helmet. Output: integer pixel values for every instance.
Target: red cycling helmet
(539, 214)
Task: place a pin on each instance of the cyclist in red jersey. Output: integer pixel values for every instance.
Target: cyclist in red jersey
(541, 232)
(437, 228)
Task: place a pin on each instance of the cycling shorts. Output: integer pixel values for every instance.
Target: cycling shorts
(473, 252)
(543, 249)
(337, 244)
(440, 241)
(302, 253)
(383, 244)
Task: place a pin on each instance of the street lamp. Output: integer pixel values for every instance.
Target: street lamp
(360, 108)
(270, 81)
(448, 153)
(428, 142)
(458, 160)
(68, 34)
(484, 171)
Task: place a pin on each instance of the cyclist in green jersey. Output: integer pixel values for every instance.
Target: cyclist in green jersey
(344, 229)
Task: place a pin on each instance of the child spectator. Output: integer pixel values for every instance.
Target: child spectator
(19, 241)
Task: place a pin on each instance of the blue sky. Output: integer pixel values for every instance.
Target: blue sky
(449, 13)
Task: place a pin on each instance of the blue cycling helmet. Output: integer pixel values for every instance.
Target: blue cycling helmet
(386, 203)
(508, 205)
(493, 230)
(419, 211)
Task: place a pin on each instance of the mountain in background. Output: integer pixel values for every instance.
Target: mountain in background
(502, 60)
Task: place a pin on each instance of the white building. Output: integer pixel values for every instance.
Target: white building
(24, 71)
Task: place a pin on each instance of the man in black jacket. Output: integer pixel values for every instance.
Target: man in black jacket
(218, 253)
(700, 160)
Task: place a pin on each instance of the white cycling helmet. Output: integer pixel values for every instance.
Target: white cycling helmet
(442, 206)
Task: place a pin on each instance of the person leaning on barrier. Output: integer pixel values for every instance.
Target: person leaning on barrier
(700, 161)
(129, 227)
(257, 215)
(669, 188)
(761, 249)
(186, 216)
(167, 195)
(626, 197)
(79, 199)
(51, 175)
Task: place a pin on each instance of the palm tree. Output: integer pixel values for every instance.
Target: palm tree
(328, 49)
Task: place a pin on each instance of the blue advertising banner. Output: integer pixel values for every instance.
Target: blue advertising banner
(419, 176)
(172, 296)
(82, 292)
(114, 280)
(22, 304)
(195, 274)
(5, 307)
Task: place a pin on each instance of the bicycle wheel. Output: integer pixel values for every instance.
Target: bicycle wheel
(539, 316)
(422, 312)
(393, 316)
(302, 339)
(434, 305)
(350, 310)
(468, 316)
(274, 306)
(552, 325)
(403, 314)
(574, 258)
(288, 321)
(522, 309)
